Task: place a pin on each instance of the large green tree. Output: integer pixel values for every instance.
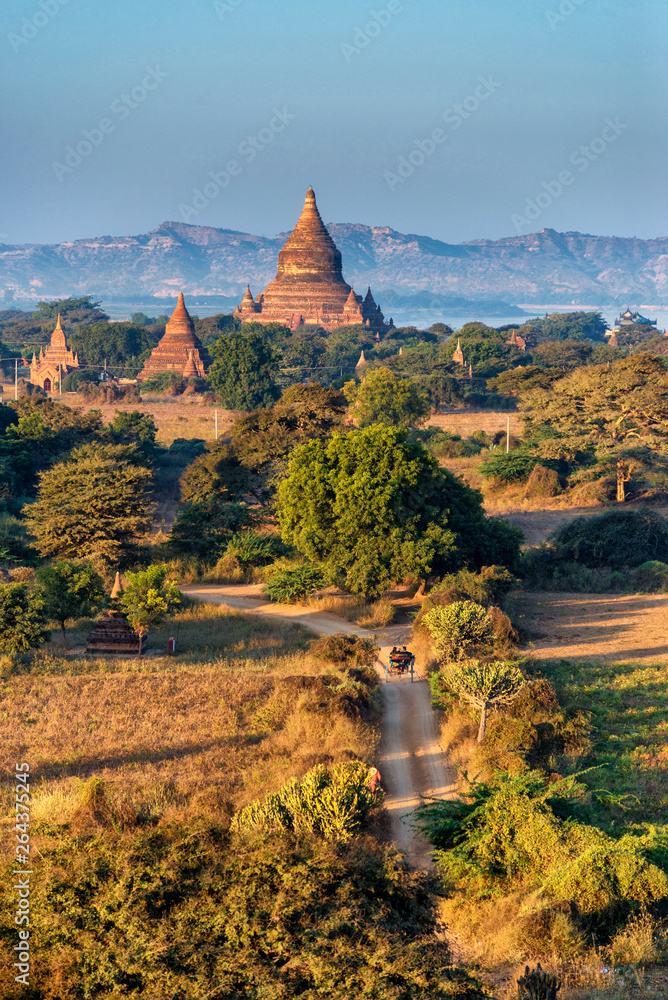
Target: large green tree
(149, 597)
(604, 416)
(383, 398)
(93, 503)
(375, 506)
(243, 372)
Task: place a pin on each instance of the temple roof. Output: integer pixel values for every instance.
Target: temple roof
(310, 253)
(58, 336)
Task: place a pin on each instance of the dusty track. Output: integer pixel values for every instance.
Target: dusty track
(412, 762)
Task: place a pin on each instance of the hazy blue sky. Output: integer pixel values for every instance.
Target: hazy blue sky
(356, 85)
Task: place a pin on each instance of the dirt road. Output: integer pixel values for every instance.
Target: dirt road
(411, 762)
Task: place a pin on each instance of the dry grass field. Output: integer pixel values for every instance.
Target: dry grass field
(175, 417)
(205, 731)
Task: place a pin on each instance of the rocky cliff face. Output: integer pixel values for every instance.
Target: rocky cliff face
(544, 267)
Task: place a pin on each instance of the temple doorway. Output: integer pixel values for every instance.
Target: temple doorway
(47, 385)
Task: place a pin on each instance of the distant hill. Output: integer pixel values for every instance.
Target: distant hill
(544, 267)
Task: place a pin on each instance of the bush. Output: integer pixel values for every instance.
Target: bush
(543, 483)
(23, 623)
(616, 539)
(350, 650)
(331, 802)
(652, 577)
(490, 586)
(378, 614)
(458, 627)
(509, 838)
(251, 548)
(508, 467)
(287, 586)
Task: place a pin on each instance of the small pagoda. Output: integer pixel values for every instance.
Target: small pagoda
(113, 632)
(180, 350)
(54, 362)
(309, 286)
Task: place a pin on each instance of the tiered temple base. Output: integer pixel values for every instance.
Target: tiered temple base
(113, 634)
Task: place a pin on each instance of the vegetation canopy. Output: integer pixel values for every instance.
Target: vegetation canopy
(374, 507)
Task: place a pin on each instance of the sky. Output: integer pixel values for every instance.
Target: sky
(456, 119)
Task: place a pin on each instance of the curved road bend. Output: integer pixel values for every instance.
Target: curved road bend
(412, 763)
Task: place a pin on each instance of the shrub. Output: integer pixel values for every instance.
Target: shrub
(542, 483)
(378, 614)
(490, 586)
(458, 627)
(251, 548)
(23, 623)
(507, 467)
(615, 539)
(287, 586)
(510, 838)
(332, 802)
(651, 576)
(350, 650)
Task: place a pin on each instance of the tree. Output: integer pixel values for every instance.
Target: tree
(516, 380)
(148, 599)
(138, 429)
(566, 354)
(243, 370)
(82, 310)
(603, 414)
(23, 623)
(93, 503)
(203, 528)
(484, 685)
(458, 626)
(120, 345)
(70, 590)
(382, 398)
(374, 506)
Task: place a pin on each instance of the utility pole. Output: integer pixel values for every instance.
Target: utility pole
(16, 379)
(508, 434)
(215, 417)
(60, 380)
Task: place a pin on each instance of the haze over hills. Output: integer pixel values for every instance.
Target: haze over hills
(546, 266)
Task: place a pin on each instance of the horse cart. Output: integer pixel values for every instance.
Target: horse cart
(401, 661)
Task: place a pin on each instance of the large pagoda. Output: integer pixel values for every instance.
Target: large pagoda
(309, 286)
(54, 362)
(180, 350)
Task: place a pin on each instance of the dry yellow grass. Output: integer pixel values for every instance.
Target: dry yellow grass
(175, 417)
(208, 730)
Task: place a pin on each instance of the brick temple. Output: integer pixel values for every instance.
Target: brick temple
(309, 286)
(54, 362)
(180, 350)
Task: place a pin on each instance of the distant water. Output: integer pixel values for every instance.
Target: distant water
(421, 318)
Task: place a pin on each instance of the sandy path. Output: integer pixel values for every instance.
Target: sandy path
(411, 760)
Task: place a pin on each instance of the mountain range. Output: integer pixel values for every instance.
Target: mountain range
(542, 267)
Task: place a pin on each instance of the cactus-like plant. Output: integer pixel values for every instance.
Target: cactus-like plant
(537, 985)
